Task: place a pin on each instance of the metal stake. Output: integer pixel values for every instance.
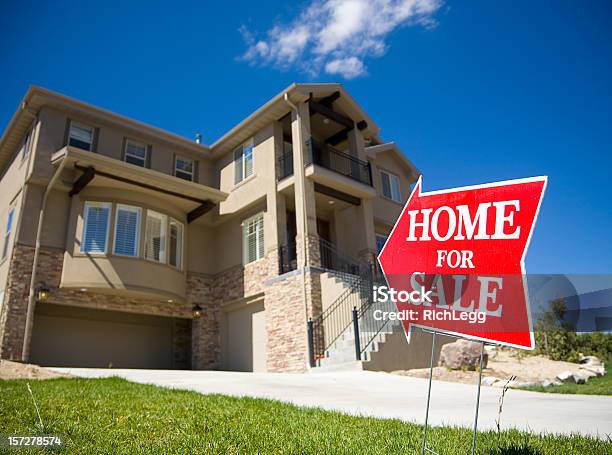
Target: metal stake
(433, 347)
(477, 398)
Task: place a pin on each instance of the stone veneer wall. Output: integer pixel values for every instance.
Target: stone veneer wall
(286, 325)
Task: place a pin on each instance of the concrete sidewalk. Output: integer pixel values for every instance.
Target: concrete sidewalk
(390, 396)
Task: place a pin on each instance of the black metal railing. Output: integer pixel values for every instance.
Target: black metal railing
(354, 311)
(334, 259)
(335, 160)
(333, 322)
(287, 258)
(285, 164)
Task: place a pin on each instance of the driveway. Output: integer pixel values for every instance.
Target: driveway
(390, 396)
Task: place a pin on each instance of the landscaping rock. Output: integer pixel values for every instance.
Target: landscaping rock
(597, 370)
(565, 376)
(489, 380)
(590, 360)
(462, 355)
(579, 378)
(587, 373)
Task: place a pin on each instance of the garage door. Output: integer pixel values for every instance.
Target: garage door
(245, 338)
(71, 336)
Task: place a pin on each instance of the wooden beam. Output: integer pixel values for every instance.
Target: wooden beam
(143, 185)
(340, 136)
(329, 99)
(203, 209)
(87, 176)
(318, 108)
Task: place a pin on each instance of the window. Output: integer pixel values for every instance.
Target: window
(95, 227)
(135, 153)
(80, 136)
(184, 168)
(390, 186)
(176, 243)
(253, 238)
(7, 232)
(243, 162)
(380, 242)
(155, 236)
(127, 231)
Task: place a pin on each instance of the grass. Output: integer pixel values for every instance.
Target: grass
(601, 385)
(117, 416)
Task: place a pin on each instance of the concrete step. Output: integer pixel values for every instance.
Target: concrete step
(353, 365)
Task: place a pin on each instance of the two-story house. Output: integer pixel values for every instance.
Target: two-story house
(128, 246)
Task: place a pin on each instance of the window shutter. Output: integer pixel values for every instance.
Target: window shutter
(238, 176)
(126, 231)
(248, 160)
(395, 191)
(386, 184)
(260, 238)
(176, 243)
(155, 233)
(95, 229)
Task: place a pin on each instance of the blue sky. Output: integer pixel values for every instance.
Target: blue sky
(472, 92)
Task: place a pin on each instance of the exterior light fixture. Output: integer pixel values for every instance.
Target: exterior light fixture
(197, 311)
(42, 292)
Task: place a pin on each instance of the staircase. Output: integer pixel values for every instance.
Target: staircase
(347, 304)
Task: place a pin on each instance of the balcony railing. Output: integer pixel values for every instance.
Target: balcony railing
(285, 164)
(328, 157)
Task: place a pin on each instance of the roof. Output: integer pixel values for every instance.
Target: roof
(37, 97)
(277, 107)
(392, 147)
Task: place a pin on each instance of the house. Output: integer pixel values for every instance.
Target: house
(124, 245)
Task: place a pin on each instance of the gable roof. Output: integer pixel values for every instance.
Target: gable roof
(397, 153)
(277, 107)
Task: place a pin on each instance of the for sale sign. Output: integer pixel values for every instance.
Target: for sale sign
(454, 261)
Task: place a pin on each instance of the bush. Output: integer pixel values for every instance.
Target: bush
(567, 346)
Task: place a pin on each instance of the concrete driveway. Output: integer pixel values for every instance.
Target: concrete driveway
(390, 396)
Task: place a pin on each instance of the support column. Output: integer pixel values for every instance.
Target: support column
(368, 240)
(305, 206)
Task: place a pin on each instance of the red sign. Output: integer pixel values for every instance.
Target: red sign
(454, 261)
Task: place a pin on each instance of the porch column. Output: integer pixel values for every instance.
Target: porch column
(366, 217)
(305, 206)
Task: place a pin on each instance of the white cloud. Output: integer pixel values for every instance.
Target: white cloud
(347, 67)
(336, 36)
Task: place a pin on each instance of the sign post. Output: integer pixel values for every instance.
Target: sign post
(454, 264)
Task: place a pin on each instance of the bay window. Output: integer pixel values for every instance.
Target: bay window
(95, 227)
(176, 244)
(155, 236)
(127, 231)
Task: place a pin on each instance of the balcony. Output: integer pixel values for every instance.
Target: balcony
(326, 156)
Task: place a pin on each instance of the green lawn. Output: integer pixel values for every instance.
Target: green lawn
(601, 385)
(116, 416)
